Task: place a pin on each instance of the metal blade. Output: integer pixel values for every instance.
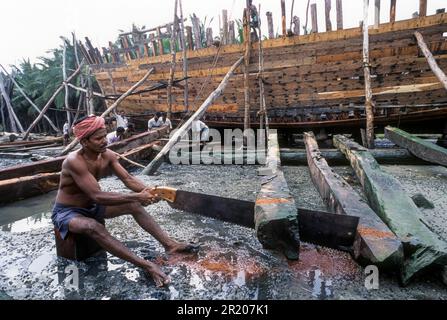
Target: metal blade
(322, 228)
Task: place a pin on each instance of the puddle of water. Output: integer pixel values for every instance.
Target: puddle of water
(321, 288)
(25, 225)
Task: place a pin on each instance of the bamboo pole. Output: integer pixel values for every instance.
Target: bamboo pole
(393, 11)
(422, 8)
(29, 100)
(64, 74)
(307, 17)
(173, 58)
(185, 57)
(367, 72)
(270, 25)
(155, 164)
(431, 60)
(16, 126)
(283, 18)
(377, 14)
(45, 108)
(246, 65)
(327, 9)
(112, 108)
(128, 160)
(314, 16)
(339, 14)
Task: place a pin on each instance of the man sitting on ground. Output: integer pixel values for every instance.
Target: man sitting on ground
(115, 136)
(81, 205)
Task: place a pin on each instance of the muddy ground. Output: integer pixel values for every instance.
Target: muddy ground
(231, 264)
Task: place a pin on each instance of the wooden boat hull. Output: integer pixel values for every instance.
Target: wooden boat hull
(310, 81)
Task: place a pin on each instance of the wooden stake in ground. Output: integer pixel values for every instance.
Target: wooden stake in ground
(270, 25)
(155, 164)
(44, 109)
(111, 108)
(173, 57)
(340, 15)
(247, 38)
(431, 60)
(29, 100)
(369, 105)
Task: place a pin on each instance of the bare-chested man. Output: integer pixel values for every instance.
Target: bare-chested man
(81, 205)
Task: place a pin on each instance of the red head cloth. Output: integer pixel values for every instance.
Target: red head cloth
(88, 126)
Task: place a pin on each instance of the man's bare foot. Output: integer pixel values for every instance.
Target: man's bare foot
(159, 277)
(179, 247)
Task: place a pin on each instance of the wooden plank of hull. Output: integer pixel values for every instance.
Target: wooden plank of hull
(276, 221)
(375, 243)
(389, 200)
(419, 147)
(18, 144)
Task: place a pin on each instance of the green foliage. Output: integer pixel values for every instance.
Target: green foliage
(240, 31)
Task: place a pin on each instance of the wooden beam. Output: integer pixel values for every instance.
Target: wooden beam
(173, 60)
(390, 201)
(155, 164)
(339, 14)
(283, 18)
(209, 37)
(296, 26)
(196, 31)
(327, 9)
(13, 119)
(225, 37)
(185, 59)
(431, 60)
(276, 213)
(376, 14)
(313, 9)
(375, 243)
(189, 38)
(247, 39)
(392, 11)
(422, 8)
(419, 147)
(369, 104)
(231, 33)
(270, 25)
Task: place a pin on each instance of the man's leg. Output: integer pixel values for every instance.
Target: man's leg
(95, 230)
(149, 225)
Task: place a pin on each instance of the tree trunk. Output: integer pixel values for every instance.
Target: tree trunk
(369, 105)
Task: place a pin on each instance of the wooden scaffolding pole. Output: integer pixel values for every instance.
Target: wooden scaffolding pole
(328, 7)
(155, 164)
(283, 18)
(173, 58)
(75, 142)
(45, 108)
(376, 14)
(247, 39)
(185, 57)
(16, 126)
(29, 100)
(339, 15)
(393, 11)
(431, 60)
(369, 105)
(64, 74)
(422, 8)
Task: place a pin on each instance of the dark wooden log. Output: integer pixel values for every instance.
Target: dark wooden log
(313, 9)
(376, 14)
(328, 7)
(375, 243)
(276, 213)
(392, 11)
(431, 60)
(155, 164)
(339, 14)
(369, 104)
(422, 8)
(270, 25)
(283, 18)
(388, 198)
(297, 157)
(419, 147)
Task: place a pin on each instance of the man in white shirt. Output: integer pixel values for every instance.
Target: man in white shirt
(66, 132)
(121, 120)
(155, 122)
(166, 121)
(115, 136)
(200, 131)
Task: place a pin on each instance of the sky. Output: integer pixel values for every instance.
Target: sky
(29, 28)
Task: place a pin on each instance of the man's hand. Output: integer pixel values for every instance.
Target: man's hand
(148, 197)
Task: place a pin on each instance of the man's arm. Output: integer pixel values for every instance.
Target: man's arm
(129, 181)
(89, 185)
